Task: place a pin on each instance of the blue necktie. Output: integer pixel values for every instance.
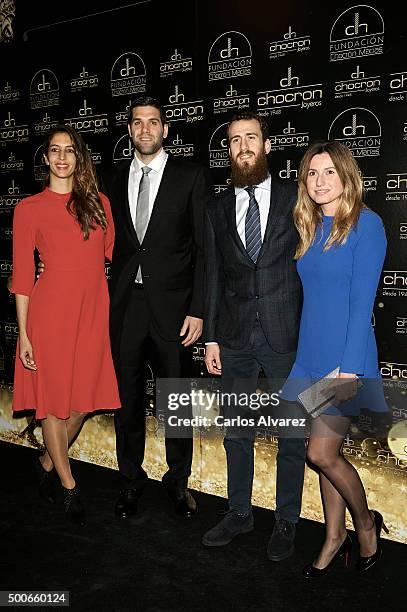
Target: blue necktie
(252, 226)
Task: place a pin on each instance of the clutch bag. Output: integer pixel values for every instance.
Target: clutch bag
(318, 396)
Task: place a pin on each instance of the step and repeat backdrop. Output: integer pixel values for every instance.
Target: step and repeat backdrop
(314, 74)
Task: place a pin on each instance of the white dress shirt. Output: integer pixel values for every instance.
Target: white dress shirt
(157, 166)
(262, 194)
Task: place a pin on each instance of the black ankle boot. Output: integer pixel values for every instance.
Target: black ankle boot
(46, 482)
(74, 510)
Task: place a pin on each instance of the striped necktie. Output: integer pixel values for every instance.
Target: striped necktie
(252, 226)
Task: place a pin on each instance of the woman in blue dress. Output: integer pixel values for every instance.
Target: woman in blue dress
(340, 257)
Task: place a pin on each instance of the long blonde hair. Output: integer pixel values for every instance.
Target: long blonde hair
(308, 216)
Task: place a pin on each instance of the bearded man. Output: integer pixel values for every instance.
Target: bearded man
(251, 319)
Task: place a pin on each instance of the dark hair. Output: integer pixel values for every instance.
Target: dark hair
(146, 101)
(248, 115)
(84, 203)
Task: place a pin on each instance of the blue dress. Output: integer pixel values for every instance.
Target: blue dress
(339, 288)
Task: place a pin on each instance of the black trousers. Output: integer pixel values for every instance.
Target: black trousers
(171, 360)
(240, 368)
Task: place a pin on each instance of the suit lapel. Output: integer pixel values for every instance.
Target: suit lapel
(167, 185)
(275, 204)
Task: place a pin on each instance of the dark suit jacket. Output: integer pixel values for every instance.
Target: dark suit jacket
(171, 254)
(236, 288)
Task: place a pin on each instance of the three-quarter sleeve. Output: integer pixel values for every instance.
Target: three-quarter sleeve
(109, 234)
(368, 258)
(23, 251)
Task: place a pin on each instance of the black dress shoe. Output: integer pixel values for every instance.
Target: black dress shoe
(127, 503)
(310, 571)
(184, 503)
(281, 543)
(365, 563)
(46, 482)
(74, 510)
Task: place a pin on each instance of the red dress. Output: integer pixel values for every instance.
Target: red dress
(68, 314)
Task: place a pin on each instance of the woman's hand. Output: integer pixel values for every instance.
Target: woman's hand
(26, 353)
(345, 386)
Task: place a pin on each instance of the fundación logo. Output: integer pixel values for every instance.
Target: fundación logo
(178, 148)
(219, 148)
(11, 164)
(180, 109)
(290, 95)
(394, 283)
(398, 86)
(357, 32)
(84, 81)
(176, 63)
(11, 131)
(231, 101)
(44, 89)
(358, 83)
(12, 196)
(128, 75)
(40, 169)
(230, 56)
(8, 93)
(290, 43)
(289, 138)
(123, 149)
(87, 121)
(359, 129)
(44, 125)
(403, 230)
(396, 186)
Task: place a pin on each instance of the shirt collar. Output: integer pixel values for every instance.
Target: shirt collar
(266, 184)
(156, 164)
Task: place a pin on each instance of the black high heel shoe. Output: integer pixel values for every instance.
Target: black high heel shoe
(365, 563)
(310, 571)
(74, 510)
(46, 482)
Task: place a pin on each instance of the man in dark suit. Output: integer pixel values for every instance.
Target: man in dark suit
(156, 290)
(251, 319)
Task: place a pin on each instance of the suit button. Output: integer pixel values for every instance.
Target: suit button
(257, 297)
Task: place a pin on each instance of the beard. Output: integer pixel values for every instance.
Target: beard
(247, 174)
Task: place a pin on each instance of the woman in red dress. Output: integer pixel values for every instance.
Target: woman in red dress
(64, 369)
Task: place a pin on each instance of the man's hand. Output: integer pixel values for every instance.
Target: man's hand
(192, 326)
(212, 359)
(26, 353)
